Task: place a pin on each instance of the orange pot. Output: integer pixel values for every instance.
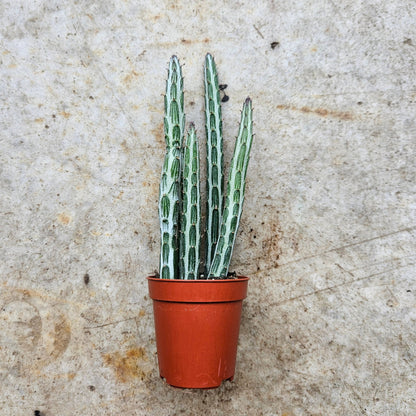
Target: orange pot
(197, 324)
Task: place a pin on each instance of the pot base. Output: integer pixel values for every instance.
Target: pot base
(199, 388)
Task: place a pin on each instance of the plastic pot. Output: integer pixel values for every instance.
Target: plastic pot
(197, 324)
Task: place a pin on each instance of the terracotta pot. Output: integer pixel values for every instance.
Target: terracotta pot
(197, 324)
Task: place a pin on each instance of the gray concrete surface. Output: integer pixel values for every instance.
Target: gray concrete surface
(329, 227)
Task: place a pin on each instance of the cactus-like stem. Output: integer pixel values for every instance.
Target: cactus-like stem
(169, 191)
(235, 194)
(215, 175)
(190, 232)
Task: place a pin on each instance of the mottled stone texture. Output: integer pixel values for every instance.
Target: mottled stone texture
(328, 230)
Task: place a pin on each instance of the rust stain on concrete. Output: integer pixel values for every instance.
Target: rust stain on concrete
(190, 41)
(119, 196)
(130, 77)
(25, 294)
(62, 336)
(21, 323)
(127, 366)
(35, 327)
(124, 147)
(158, 134)
(323, 112)
(65, 114)
(271, 244)
(64, 218)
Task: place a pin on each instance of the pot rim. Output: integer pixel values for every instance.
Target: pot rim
(198, 291)
(226, 280)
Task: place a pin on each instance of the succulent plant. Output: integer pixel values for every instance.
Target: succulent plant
(179, 193)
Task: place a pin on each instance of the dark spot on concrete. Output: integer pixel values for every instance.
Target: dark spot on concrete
(37, 413)
(91, 388)
(86, 278)
(46, 126)
(91, 97)
(359, 103)
(225, 98)
(274, 44)
(408, 41)
(222, 87)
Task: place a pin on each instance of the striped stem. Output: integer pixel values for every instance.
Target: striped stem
(235, 195)
(169, 191)
(190, 233)
(215, 175)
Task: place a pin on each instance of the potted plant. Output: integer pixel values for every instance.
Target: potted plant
(197, 314)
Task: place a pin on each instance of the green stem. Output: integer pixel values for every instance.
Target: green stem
(215, 175)
(169, 191)
(190, 233)
(235, 194)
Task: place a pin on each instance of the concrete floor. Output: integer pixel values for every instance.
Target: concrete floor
(329, 229)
